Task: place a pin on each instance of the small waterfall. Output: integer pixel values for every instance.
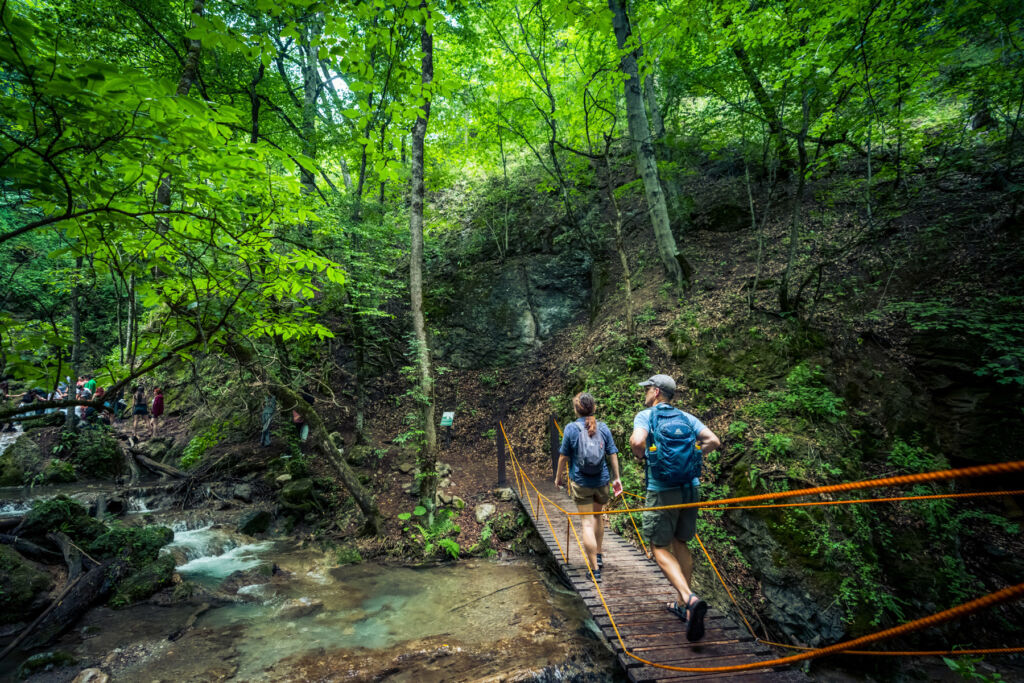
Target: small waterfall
(15, 509)
(7, 438)
(213, 553)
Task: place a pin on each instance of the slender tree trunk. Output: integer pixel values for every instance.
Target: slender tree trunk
(764, 102)
(646, 163)
(786, 303)
(254, 103)
(345, 175)
(310, 95)
(76, 342)
(428, 449)
(620, 245)
(188, 77)
(133, 323)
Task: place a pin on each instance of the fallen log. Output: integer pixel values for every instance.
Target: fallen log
(157, 467)
(73, 555)
(7, 523)
(136, 474)
(75, 600)
(30, 549)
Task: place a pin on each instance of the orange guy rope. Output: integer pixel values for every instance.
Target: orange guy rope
(964, 472)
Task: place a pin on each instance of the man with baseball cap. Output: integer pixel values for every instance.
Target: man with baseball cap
(674, 434)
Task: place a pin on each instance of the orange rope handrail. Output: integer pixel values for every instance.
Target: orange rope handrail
(964, 472)
(992, 599)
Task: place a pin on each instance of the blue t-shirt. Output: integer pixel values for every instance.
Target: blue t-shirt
(570, 441)
(643, 421)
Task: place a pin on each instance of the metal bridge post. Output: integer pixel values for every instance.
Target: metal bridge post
(499, 441)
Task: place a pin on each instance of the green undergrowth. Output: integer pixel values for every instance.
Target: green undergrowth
(787, 421)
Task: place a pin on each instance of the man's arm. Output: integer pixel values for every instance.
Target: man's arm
(638, 443)
(707, 441)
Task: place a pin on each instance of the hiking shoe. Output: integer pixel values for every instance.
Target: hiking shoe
(695, 611)
(597, 576)
(600, 562)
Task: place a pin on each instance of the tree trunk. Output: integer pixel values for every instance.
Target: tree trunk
(788, 304)
(254, 103)
(76, 343)
(620, 246)
(764, 102)
(647, 165)
(188, 77)
(289, 399)
(428, 447)
(310, 95)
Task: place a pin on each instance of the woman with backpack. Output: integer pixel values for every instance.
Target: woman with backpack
(139, 408)
(585, 445)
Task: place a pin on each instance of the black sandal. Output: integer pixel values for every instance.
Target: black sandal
(675, 609)
(695, 612)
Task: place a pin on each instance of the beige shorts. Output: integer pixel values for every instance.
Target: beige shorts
(583, 495)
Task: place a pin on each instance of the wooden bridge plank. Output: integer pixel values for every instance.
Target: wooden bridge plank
(636, 592)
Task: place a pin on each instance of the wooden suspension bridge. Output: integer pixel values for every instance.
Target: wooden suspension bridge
(636, 593)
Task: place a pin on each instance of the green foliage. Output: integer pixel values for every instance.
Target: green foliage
(992, 322)
(437, 536)
(209, 437)
(143, 582)
(772, 446)
(967, 669)
(97, 453)
(58, 471)
(805, 396)
(61, 514)
(913, 458)
(349, 554)
(139, 544)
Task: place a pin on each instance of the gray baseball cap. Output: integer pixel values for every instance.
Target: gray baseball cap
(662, 382)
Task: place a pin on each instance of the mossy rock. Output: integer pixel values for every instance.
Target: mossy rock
(44, 661)
(143, 583)
(21, 583)
(358, 455)
(505, 526)
(59, 471)
(142, 543)
(299, 494)
(22, 459)
(255, 522)
(97, 453)
(62, 514)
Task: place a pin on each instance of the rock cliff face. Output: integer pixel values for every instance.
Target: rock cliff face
(501, 311)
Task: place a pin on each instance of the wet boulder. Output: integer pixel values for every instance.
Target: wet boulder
(255, 522)
(91, 676)
(44, 661)
(299, 495)
(22, 459)
(65, 514)
(242, 492)
(22, 583)
(300, 607)
(144, 582)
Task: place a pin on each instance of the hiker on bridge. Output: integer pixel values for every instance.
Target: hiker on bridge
(585, 445)
(672, 443)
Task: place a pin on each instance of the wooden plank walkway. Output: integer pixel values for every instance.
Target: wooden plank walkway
(636, 593)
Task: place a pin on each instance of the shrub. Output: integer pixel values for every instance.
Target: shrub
(141, 543)
(96, 452)
(62, 514)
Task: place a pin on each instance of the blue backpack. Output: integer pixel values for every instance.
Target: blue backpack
(677, 459)
(589, 452)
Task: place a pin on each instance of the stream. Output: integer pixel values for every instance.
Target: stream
(281, 612)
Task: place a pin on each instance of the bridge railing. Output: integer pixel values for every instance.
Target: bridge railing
(532, 496)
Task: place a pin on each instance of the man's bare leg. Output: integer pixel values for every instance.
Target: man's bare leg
(685, 559)
(670, 567)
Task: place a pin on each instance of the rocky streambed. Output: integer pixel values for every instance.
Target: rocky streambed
(248, 608)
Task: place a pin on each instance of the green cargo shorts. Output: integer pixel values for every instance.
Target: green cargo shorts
(584, 495)
(661, 526)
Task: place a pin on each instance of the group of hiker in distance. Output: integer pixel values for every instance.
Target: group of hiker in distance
(114, 408)
(672, 443)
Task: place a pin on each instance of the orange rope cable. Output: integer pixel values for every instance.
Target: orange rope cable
(553, 534)
(889, 653)
(992, 599)
(639, 536)
(895, 499)
(975, 471)
(1006, 594)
